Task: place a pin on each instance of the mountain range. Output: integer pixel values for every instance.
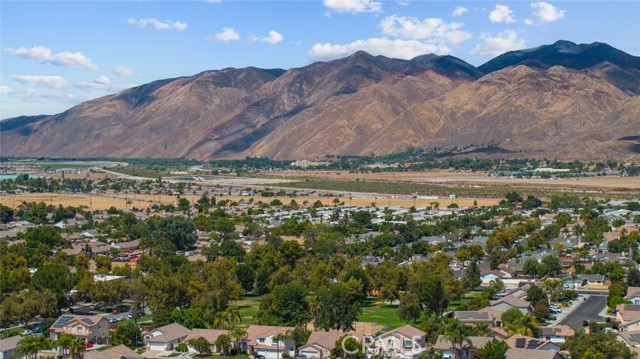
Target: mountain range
(564, 101)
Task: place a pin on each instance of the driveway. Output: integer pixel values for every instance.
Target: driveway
(589, 310)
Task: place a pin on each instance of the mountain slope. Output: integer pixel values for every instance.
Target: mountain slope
(617, 67)
(558, 101)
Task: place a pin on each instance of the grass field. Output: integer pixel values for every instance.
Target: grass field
(382, 314)
(249, 307)
(465, 299)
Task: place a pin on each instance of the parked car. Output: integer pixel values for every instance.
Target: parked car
(89, 345)
(259, 357)
(585, 323)
(115, 311)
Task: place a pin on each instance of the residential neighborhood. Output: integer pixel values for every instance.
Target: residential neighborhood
(209, 275)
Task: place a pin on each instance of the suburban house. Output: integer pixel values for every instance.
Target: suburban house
(166, 338)
(445, 347)
(524, 342)
(628, 317)
(470, 317)
(93, 329)
(117, 352)
(211, 335)
(512, 301)
(515, 353)
(260, 341)
(320, 344)
(557, 334)
(9, 347)
(405, 342)
(633, 295)
(631, 340)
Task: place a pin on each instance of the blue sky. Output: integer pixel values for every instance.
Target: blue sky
(55, 54)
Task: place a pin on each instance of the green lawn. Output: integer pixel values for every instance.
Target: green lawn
(465, 299)
(249, 307)
(380, 313)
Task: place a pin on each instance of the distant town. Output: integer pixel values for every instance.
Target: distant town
(101, 264)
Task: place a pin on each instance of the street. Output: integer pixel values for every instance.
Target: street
(588, 310)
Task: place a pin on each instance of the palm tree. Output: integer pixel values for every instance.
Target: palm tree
(528, 325)
(233, 313)
(482, 329)
(458, 334)
(315, 307)
(237, 334)
(553, 288)
(63, 342)
(220, 320)
(31, 345)
(525, 325)
(76, 348)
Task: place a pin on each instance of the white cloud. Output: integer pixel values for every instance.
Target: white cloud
(45, 80)
(353, 6)
(227, 34)
(123, 71)
(500, 43)
(396, 48)
(273, 38)
(5, 90)
(44, 55)
(432, 29)
(102, 80)
(57, 95)
(546, 12)
(528, 22)
(403, 2)
(459, 11)
(501, 13)
(157, 24)
(214, 1)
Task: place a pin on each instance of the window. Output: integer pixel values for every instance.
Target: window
(80, 329)
(390, 343)
(260, 340)
(68, 329)
(407, 343)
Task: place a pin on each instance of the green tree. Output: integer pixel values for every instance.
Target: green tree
(223, 343)
(128, 334)
(409, 308)
(55, 277)
(338, 309)
(201, 345)
(6, 214)
(64, 342)
(596, 345)
(289, 306)
(531, 267)
(77, 348)
(495, 349)
(29, 346)
(471, 277)
(458, 334)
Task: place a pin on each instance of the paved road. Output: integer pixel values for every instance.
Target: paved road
(588, 310)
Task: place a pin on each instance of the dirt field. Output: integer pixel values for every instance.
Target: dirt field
(466, 177)
(144, 201)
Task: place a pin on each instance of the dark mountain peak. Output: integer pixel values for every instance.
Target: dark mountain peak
(446, 65)
(563, 53)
